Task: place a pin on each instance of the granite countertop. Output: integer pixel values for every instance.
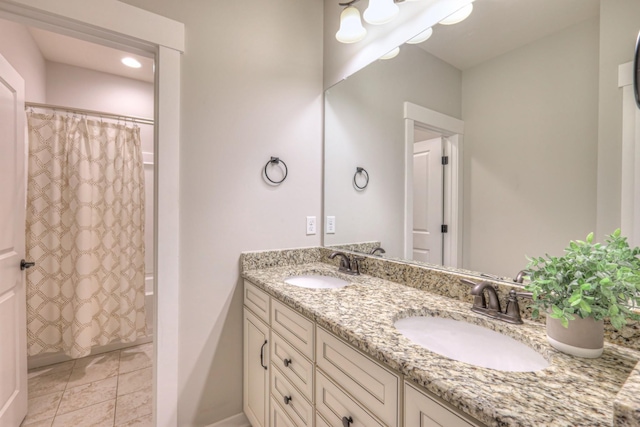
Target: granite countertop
(570, 392)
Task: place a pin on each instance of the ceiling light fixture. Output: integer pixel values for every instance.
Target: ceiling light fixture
(459, 15)
(351, 29)
(380, 11)
(391, 54)
(131, 62)
(422, 37)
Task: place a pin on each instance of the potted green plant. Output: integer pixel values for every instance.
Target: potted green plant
(589, 283)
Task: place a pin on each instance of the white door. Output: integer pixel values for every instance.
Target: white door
(427, 201)
(13, 323)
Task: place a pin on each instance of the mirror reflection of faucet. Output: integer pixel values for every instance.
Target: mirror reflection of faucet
(377, 251)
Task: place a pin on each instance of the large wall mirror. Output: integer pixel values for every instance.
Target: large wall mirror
(524, 79)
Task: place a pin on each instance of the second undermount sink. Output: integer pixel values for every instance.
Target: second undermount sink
(314, 281)
(471, 344)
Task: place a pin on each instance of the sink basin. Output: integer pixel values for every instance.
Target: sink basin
(471, 344)
(313, 281)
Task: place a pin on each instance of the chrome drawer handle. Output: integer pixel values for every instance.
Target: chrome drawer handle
(286, 362)
(346, 422)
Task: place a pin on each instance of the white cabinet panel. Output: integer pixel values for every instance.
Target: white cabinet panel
(421, 410)
(293, 327)
(256, 373)
(292, 401)
(297, 368)
(278, 416)
(257, 300)
(374, 386)
(335, 405)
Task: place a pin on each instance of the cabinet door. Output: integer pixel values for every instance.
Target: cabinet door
(256, 373)
(421, 410)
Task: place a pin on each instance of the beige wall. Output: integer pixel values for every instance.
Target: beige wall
(530, 150)
(619, 26)
(251, 89)
(19, 48)
(364, 118)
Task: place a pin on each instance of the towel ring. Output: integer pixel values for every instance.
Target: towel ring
(363, 171)
(276, 160)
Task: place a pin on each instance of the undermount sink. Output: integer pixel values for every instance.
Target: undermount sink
(314, 281)
(471, 344)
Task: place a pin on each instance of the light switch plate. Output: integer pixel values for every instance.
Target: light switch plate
(311, 225)
(331, 224)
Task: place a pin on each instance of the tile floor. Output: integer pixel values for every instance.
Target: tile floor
(110, 389)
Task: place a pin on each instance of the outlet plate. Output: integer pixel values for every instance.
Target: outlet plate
(311, 225)
(331, 224)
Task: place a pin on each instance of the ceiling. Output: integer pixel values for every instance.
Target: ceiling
(495, 27)
(499, 26)
(68, 50)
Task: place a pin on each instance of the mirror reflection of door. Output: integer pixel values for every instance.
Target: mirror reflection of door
(428, 200)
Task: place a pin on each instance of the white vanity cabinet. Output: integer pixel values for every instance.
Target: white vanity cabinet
(297, 374)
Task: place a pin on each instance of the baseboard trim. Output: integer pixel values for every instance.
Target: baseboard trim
(47, 359)
(238, 420)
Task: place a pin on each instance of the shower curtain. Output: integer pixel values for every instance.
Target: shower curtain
(85, 231)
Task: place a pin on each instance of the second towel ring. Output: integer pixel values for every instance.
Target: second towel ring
(363, 171)
(276, 160)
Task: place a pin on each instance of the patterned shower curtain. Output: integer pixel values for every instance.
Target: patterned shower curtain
(85, 231)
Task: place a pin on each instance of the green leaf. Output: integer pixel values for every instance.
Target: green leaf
(590, 237)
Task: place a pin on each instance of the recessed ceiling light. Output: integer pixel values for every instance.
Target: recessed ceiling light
(131, 62)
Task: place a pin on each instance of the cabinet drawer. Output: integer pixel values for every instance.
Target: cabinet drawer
(375, 387)
(293, 327)
(334, 404)
(257, 300)
(297, 368)
(321, 422)
(278, 417)
(421, 410)
(292, 401)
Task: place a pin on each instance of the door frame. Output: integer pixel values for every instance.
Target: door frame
(142, 32)
(452, 130)
(630, 171)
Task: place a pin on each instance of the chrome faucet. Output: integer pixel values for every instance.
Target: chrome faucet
(348, 266)
(492, 309)
(376, 250)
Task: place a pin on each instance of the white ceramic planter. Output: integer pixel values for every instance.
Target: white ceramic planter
(583, 337)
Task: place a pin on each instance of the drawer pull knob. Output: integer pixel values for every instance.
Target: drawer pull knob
(286, 362)
(347, 421)
(287, 399)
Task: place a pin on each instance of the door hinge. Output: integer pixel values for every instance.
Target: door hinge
(444, 228)
(445, 160)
